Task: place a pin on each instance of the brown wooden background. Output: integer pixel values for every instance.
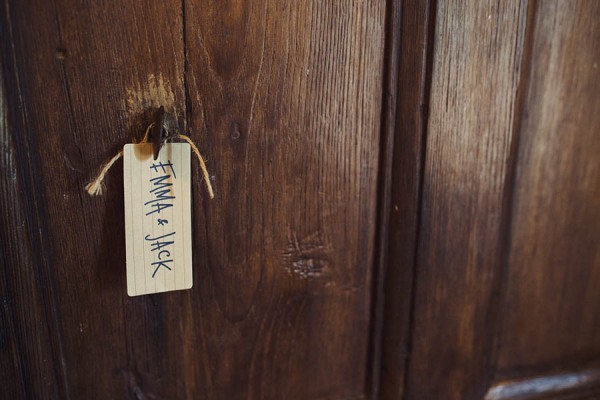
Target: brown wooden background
(407, 199)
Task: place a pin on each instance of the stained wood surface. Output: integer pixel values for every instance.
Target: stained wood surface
(475, 78)
(286, 100)
(26, 338)
(80, 78)
(415, 23)
(552, 314)
(285, 103)
(506, 299)
(440, 158)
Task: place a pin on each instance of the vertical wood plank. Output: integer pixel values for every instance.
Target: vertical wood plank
(552, 298)
(26, 358)
(286, 101)
(415, 22)
(83, 76)
(476, 63)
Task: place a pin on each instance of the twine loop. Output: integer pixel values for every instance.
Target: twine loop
(96, 186)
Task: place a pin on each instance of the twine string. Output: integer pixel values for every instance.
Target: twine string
(96, 186)
(201, 162)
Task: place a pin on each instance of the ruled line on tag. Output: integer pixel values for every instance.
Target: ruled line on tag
(158, 229)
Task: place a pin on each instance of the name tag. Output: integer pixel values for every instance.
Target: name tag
(158, 218)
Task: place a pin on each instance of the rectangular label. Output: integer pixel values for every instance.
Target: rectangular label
(158, 218)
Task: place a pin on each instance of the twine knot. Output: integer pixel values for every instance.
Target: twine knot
(96, 187)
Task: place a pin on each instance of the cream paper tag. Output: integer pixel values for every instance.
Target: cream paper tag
(158, 218)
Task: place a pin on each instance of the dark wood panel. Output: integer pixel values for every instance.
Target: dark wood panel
(286, 101)
(476, 72)
(552, 315)
(30, 369)
(85, 74)
(384, 187)
(415, 23)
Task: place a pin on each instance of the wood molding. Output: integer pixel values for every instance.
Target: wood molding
(413, 25)
(545, 386)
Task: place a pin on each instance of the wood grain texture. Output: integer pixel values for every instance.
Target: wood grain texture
(507, 301)
(80, 79)
(384, 187)
(552, 315)
(29, 368)
(476, 61)
(286, 100)
(415, 21)
(487, 170)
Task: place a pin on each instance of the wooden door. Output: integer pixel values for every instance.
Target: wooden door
(407, 199)
(493, 282)
(284, 100)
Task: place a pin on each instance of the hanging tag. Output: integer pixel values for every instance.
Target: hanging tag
(158, 215)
